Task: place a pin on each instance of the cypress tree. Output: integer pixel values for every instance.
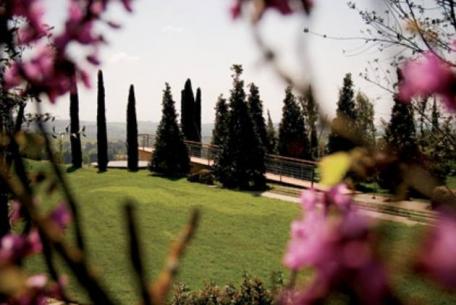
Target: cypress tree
(435, 117)
(221, 121)
(132, 131)
(271, 145)
(102, 136)
(365, 119)
(240, 160)
(170, 155)
(187, 109)
(293, 140)
(344, 123)
(256, 113)
(311, 116)
(75, 136)
(197, 116)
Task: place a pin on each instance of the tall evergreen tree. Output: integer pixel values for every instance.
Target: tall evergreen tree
(240, 161)
(132, 131)
(293, 140)
(102, 135)
(220, 131)
(435, 117)
(197, 116)
(365, 125)
(341, 137)
(170, 156)
(311, 118)
(187, 112)
(271, 145)
(256, 113)
(75, 136)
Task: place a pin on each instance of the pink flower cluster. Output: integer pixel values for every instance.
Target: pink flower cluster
(437, 257)
(38, 290)
(285, 7)
(15, 247)
(336, 241)
(50, 70)
(426, 76)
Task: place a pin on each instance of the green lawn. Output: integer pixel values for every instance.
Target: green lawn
(239, 232)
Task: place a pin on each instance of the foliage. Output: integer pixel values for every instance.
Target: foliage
(342, 136)
(365, 121)
(311, 117)
(170, 156)
(197, 115)
(102, 134)
(220, 131)
(132, 131)
(256, 113)
(251, 291)
(240, 160)
(293, 140)
(271, 145)
(75, 136)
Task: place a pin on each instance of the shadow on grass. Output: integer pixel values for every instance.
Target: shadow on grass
(72, 169)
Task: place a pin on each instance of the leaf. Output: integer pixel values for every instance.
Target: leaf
(333, 168)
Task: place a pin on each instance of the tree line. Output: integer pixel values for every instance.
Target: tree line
(244, 136)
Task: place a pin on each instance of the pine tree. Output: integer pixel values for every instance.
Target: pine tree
(170, 156)
(75, 136)
(271, 145)
(187, 111)
(197, 116)
(293, 140)
(132, 131)
(365, 125)
(343, 126)
(311, 117)
(256, 113)
(240, 160)
(221, 121)
(102, 136)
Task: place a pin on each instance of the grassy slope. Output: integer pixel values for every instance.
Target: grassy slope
(239, 232)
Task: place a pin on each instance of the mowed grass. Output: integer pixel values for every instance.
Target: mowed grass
(239, 232)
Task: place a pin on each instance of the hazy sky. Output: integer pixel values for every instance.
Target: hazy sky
(172, 40)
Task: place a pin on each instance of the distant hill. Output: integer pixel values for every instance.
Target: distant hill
(117, 130)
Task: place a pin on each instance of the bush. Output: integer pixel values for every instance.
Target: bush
(251, 291)
(203, 176)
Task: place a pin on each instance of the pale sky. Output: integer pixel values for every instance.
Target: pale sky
(172, 40)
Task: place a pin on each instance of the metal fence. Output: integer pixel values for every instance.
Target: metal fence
(276, 165)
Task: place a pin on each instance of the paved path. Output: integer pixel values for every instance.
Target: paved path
(374, 209)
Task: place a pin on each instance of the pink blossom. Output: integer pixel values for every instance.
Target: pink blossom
(428, 75)
(61, 216)
(309, 199)
(14, 247)
(438, 256)
(37, 281)
(339, 195)
(15, 211)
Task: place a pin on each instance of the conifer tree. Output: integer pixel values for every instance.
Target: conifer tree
(311, 117)
(365, 125)
(187, 111)
(221, 121)
(240, 160)
(102, 136)
(170, 156)
(256, 113)
(344, 123)
(435, 117)
(132, 131)
(293, 139)
(197, 116)
(271, 145)
(400, 134)
(75, 136)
